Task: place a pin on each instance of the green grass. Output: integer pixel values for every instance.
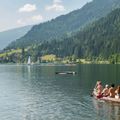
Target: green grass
(10, 52)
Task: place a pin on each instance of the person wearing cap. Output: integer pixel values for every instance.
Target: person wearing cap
(112, 91)
(105, 91)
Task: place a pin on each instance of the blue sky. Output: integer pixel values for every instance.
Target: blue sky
(17, 13)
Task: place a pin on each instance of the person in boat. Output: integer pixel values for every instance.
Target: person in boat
(111, 93)
(117, 92)
(98, 89)
(105, 91)
(95, 88)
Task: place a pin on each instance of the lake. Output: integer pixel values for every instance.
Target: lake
(37, 93)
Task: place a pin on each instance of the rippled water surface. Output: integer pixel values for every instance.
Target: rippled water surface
(37, 93)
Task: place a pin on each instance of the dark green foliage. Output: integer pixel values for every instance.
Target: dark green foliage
(100, 39)
(64, 25)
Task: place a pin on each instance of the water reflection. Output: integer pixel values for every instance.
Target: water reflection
(29, 70)
(107, 111)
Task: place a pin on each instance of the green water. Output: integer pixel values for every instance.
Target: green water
(37, 93)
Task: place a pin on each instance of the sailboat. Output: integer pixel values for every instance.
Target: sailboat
(29, 61)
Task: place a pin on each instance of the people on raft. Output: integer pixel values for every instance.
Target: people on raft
(111, 92)
(105, 91)
(117, 92)
(98, 89)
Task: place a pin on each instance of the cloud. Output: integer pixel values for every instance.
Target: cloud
(30, 20)
(28, 8)
(21, 22)
(37, 18)
(56, 6)
(57, 1)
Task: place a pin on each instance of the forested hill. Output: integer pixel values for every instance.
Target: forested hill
(6, 37)
(100, 39)
(61, 26)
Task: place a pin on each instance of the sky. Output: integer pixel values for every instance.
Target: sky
(17, 13)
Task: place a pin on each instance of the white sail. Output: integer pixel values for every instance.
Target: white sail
(29, 61)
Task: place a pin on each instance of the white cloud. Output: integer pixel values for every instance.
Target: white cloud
(37, 18)
(57, 1)
(28, 8)
(56, 6)
(30, 20)
(21, 22)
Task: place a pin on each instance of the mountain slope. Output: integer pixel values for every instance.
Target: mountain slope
(7, 37)
(101, 38)
(65, 24)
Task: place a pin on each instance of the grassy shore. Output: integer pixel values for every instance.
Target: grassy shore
(20, 56)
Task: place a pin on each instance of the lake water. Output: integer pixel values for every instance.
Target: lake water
(37, 93)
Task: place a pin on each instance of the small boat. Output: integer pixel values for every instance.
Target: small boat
(106, 99)
(66, 72)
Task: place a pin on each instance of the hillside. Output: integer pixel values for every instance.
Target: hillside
(66, 24)
(8, 36)
(99, 39)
